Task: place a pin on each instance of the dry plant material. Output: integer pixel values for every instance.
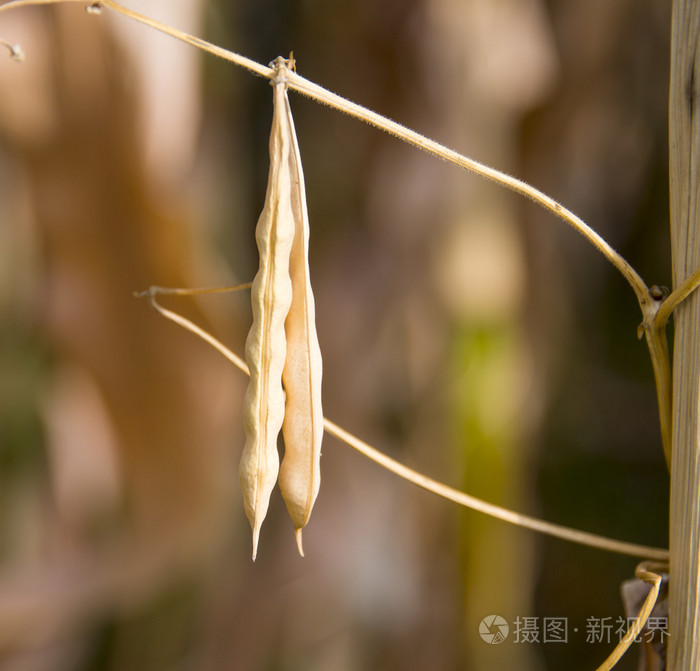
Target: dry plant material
(655, 336)
(300, 473)
(284, 302)
(266, 345)
(282, 345)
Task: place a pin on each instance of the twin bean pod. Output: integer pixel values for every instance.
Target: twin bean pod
(282, 349)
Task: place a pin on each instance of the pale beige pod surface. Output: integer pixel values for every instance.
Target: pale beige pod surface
(266, 350)
(300, 473)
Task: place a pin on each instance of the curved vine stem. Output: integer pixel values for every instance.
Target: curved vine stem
(442, 490)
(654, 330)
(318, 93)
(646, 571)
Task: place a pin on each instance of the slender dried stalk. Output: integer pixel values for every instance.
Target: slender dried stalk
(684, 164)
(532, 523)
(189, 325)
(199, 291)
(654, 330)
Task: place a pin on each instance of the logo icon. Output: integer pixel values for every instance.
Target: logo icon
(493, 629)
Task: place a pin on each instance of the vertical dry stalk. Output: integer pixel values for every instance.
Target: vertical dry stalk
(271, 296)
(300, 473)
(684, 137)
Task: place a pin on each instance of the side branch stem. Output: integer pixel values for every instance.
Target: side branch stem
(446, 492)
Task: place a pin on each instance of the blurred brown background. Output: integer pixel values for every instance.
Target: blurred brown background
(464, 332)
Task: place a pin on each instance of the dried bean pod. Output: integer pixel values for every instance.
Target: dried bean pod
(266, 350)
(300, 474)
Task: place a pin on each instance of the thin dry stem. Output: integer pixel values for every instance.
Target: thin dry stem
(446, 492)
(318, 93)
(174, 291)
(141, 18)
(151, 294)
(504, 514)
(645, 572)
(660, 361)
(654, 326)
(654, 331)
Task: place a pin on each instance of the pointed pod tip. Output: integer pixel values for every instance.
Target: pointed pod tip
(300, 547)
(256, 537)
